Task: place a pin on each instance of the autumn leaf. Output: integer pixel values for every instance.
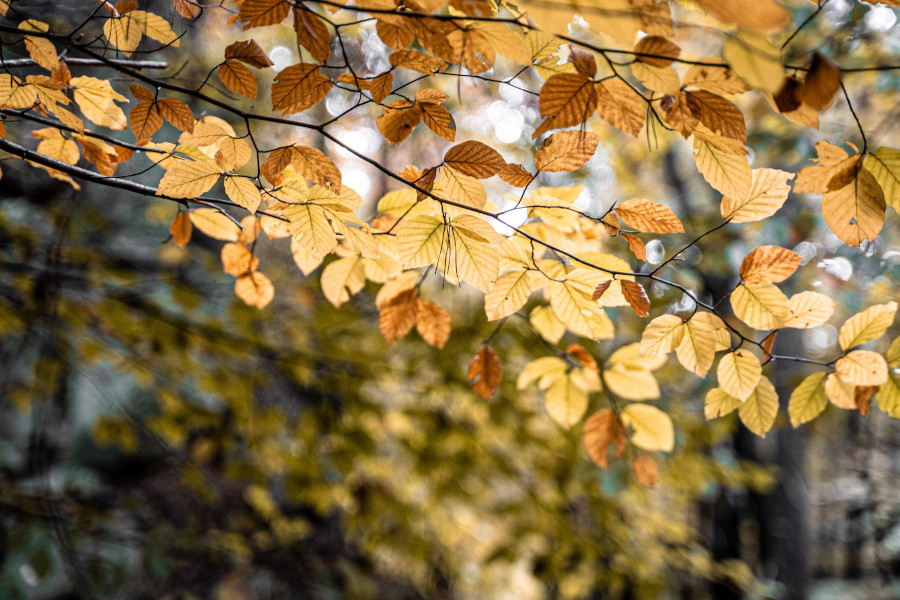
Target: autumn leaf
(645, 471)
(398, 316)
(807, 400)
(637, 297)
(738, 373)
(484, 372)
(180, 230)
(867, 325)
(474, 159)
(652, 429)
(769, 264)
(648, 216)
(298, 88)
(600, 430)
(760, 305)
(759, 410)
(255, 289)
(566, 151)
(433, 323)
(809, 309)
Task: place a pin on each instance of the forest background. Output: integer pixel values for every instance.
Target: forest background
(163, 436)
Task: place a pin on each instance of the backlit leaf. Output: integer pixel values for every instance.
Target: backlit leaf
(759, 410)
(566, 151)
(767, 192)
(484, 372)
(662, 335)
(867, 325)
(809, 309)
(600, 430)
(433, 323)
(760, 305)
(738, 373)
(255, 289)
(862, 367)
(652, 428)
(648, 216)
(755, 59)
(769, 264)
(808, 400)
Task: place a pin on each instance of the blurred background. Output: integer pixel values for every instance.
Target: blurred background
(160, 439)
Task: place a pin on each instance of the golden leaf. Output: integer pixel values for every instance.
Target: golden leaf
(544, 371)
(718, 114)
(884, 166)
(474, 159)
(738, 374)
(180, 230)
(621, 106)
(311, 227)
(719, 403)
(767, 193)
(808, 400)
(697, 348)
(189, 179)
(809, 309)
(515, 175)
(855, 212)
(343, 278)
(839, 392)
(255, 289)
(821, 83)
(241, 191)
(867, 325)
(566, 151)
(755, 59)
(759, 410)
(177, 113)
(96, 99)
(238, 260)
(652, 428)
(420, 240)
(399, 119)
(567, 99)
(719, 80)
(769, 264)
(566, 400)
(637, 297)
(249, 52)
(760, 305)
(648, 216)
(259, 13)
(600, 430)
(312, 33)
(656, 51)
(862, 367)
(764, 14)
(462, 189)
(485, 373)
(510, 293)
(433, 323)
(726, 171)
(659, 79)
(316, 166)
(547, 324)
(145, 119)
(14, 93)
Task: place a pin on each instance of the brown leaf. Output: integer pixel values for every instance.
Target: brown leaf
(141, 93)
(602, 429)
(584, 61)
(611, 223)
(568, 99)
(660, 51)
(181, 229)
(566, 151)
(485, 373)
(515, 175)
(620, 106)
(399, 119)
(645, 471)
(189, 9)
(636, 246)
(382, 86)
(316, 166)
(277, 161)
(416, 61)
(581, 355)
(718, 114)
(862, 395)
(788, 97)
(821, 83)
(855, 212)
(720, 80)
(248, 52)
(649, 217)
(637, 297)
(312, 33)
(679, 115)
(299, 87)
(145, 119)
(177, 113)
(238, 78)
(767, 345)
(259, 13)
(475, 159)
(398, 316)
(426, 182)
(395, 35)
(601, 289)
(433, 323)
(438, 119)
(769, 264)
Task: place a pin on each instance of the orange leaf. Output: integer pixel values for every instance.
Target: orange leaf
(258, 13)
(145, 119)
(250, 53)
(647, 216)
(299, 87)
(636, 246)
(177, 113)
(475, 159)
(255, 289)
(566, 151)
(433, 323)
(181, 229)
(312, 33)
(769, 264)
(601, 289)
(645, 471)
(398, 316)
(238, 78)
(636, 296)
(515, 175)
(238, 260)
(602, 429)
(485, 373)
(567, 99)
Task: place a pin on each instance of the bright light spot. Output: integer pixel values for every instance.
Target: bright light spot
(807, 251)
(686, 303)
(28, 575)
(514, 218)
(880, 18)
(819, 340)
(357, 180)
(603, 177)
(281, 56)
(837, 11)
(339, 101)
(364, 140)
(839, 267)
(509, 128)
(655, 252)
(511, 94)
(376, 54)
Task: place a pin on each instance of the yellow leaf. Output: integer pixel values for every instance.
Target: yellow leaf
(631, 384)
(759, 410)
(809, 309)
(662, 335)
(463, 189)
(433, 323)
(867, 325)
(855, 212)
(96, 99)
(474, 262)
(343, 278)
(719, 80)
(719, 403)
(760, 305)
(769, 264)
(652, 428)
(738, 373)
(566, 402)
(840, 393)
(510, 293)
(697, 348)
(508, 42)
(215, 224)
(241, 191)
(310, 226)
(602, 429)
(889, 397)
(255, 289)
(547, 324)
(808, 400)
(755, 59)
(764, 15)
(620, 106)
(14, 93)
(660, 79)
(420, 240)
(189, 179)
(767, 193)
(155, 27)
(566, 151)
(544, 371)
(862, 367)
(566, 99)
(40, 49)
(316, 166)
(572, 304)
(123, 33)
(727, 172)
(884, 166)
(238, 260)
